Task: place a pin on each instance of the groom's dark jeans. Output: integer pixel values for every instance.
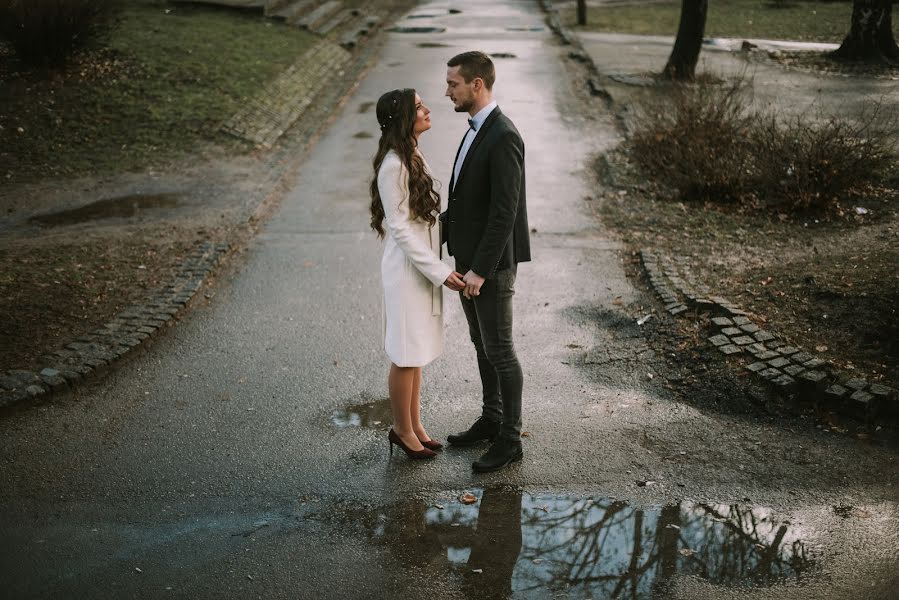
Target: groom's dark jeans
(489, 318)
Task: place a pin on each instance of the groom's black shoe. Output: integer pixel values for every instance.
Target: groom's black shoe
(500, 454)
(482, 430)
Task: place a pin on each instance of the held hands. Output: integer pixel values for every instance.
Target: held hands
(454, 282)
(473, 283)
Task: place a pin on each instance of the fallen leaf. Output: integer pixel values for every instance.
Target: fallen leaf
(618, 301)
(821, 348)
(468, 498)
(525, 434)
(438, 506)
(687, 552)
(477, 570)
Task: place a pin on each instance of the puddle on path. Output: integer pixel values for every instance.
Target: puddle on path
(362, 135)
(374, 415)
(515, 542)
(433, 15)
(417, 29)
(121, 207)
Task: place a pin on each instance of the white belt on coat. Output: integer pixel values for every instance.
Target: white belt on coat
(436, 290)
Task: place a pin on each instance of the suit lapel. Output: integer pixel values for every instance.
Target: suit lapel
(491, 118)
(452, 183)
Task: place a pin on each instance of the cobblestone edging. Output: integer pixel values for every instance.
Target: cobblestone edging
(786, 368)
(568, 38)
(92, 353)
(267, 116)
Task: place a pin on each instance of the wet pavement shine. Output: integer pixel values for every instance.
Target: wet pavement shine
(244, 454)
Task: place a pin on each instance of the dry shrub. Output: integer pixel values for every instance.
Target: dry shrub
(694, 139)
(807, 163)
(704, 141)
(47, 32)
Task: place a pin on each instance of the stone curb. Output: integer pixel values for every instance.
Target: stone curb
(267, 116)
(569, 38)
(92, 354)
(787, 369)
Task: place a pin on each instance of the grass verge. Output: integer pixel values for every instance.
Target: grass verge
(758, 19)
(158, 88)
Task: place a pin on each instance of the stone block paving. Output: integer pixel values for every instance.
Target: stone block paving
(266, 117)
(91, 354)
(788, 369)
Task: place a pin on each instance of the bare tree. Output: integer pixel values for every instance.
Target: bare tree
(685, 54)
(581, 12)
(870, 36)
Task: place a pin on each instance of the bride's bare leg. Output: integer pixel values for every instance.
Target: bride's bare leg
(417, 427)
(400, 383)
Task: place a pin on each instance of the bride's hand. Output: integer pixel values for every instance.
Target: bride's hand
(454, 282)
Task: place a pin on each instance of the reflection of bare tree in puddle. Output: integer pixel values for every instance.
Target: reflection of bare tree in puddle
(611, 549)
(512, 543)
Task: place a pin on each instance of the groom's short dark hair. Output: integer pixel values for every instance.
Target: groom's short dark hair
(474, 64)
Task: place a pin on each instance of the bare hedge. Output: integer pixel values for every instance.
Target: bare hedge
(705, 141)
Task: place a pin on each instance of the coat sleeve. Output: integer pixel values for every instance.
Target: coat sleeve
(506, 167)
(394, 189)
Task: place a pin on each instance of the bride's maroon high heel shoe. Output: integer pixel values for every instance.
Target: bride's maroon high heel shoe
(393, 438)
(432, 445)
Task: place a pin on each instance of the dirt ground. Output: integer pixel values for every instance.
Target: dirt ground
(73, 255)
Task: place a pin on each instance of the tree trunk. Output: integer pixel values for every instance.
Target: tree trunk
(870, 35)
(685, 54)
(581, 12)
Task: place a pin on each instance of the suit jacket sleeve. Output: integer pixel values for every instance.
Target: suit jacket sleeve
(506, 166)
(394, 189)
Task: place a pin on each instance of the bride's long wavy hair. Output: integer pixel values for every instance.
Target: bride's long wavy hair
(396, 115)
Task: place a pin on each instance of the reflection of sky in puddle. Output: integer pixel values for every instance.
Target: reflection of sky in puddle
(375, 415)
(606, 548)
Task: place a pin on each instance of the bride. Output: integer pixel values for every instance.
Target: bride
(404, 208)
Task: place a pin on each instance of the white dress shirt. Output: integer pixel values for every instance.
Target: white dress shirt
(474, 124)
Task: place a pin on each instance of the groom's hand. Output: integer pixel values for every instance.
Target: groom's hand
(473, 283)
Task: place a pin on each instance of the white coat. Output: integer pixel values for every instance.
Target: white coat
(412, 274)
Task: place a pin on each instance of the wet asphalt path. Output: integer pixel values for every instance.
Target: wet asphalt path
(245, 454)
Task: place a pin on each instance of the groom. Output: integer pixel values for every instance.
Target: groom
(486, 228)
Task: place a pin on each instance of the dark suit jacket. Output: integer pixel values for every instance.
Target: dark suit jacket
(486, 221)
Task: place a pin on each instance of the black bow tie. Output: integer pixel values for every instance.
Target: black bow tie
(471, 125)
